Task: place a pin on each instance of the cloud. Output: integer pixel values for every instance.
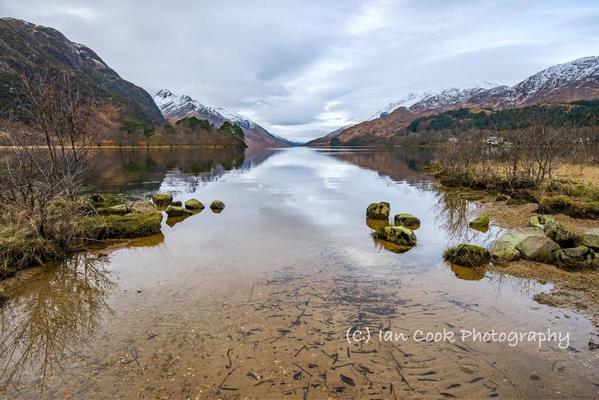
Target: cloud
(302, 68)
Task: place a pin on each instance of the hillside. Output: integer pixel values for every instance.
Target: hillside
(562, 83)
(175, 107)
(26, 49)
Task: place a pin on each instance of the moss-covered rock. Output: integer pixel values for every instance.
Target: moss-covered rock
(143, 207)
(217, 205)
(399, 235)
(580, 257)
(120, 209)
(539, 221)
(177, 203)
(590, 239)
(408, 220)
(378, 210)
(194, 204)
(480, 224)
(123, 226)
(538, 248)
(174, 211)
(560, 234)
(467, 255)
(162, 199)
(505, 247)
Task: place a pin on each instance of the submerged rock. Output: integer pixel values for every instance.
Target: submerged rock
(174, 211)
(590, 239)
(505, 247)
(162, 199)
(467, 255)
(378, 210)
(480, 224)
(539, 221)
(194, 204)
(399, 235)
(538, 248)
(576, 258)
(217, 205)
(123, 226)
(407, 220)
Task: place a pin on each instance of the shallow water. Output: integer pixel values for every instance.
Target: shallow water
(260, 300)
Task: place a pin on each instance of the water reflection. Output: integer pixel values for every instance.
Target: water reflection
(134, 170)
(46, 321)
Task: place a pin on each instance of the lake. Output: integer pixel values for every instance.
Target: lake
(285, 293)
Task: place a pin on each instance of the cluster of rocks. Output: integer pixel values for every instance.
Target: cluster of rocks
(176, 209)
(550, 242)
(401, 233)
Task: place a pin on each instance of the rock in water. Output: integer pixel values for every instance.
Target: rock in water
(590, 239)
(538, 248)
(119, 209)
(576, 258)
(480, 224)
(505, 247)
(193, 204)
(539, 221)
(467, 255)
(174, 211)
(376, 224)
(162, 199)
(217, 205)
(397, 234)
(177, 204)
(407, 220)
(378, 210)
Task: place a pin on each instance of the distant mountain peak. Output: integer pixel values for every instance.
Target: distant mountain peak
(175, 106)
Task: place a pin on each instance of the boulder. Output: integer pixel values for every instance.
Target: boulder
(119, 209)
(590, 239)
(539, 221)
(193, 204)
(162, 199)
(505, 247)
(217, 205)
(467, 255)
(538, 248)
(560, 234)
(576, 258)
(378, 210)
(143, 206)
(174, 211)
(480, 224)
(399, 235)
(377, 224)
(407, 220)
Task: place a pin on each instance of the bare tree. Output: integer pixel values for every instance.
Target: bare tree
(48, 156)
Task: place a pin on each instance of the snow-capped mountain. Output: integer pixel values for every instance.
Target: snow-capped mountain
(575, 80)
(175, 107)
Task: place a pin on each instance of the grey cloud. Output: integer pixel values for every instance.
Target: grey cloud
(302, 68)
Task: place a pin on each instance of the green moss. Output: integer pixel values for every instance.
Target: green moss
(378, 210)
(194, 204)
(467, 255)
(120, 209)
(217, 205)
(407, 220)
(123, 226)
(174, 211)
(480, 224)
(162, 199)
(399, 235)
(578, 208)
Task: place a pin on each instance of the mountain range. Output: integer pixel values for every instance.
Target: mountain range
(175, 107)
(27, 49)
(562, 83)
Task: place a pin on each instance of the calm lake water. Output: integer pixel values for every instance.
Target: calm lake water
(259, 300)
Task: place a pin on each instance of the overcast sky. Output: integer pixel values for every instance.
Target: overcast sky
(304, 68)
